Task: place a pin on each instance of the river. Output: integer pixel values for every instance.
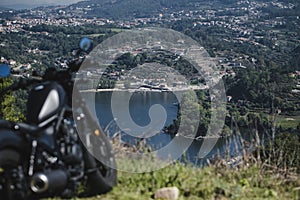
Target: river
(139, 105)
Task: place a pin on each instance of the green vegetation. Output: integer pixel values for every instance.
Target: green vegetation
(283, 153)
(116, 30)
(42, 45)
(262, 94)
(191, 103)
(287, 122)
(9, 109)
(213, 182)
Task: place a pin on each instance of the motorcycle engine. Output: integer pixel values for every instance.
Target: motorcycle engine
(70, 143)
(60, 173)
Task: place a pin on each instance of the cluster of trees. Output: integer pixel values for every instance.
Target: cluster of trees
(71, 30)
(266, 88)
(199, 103)
(279, 12)
(262, 87)
(295, 61)
(9, 108)
(129, 61)
(135, 8)
(59, 43)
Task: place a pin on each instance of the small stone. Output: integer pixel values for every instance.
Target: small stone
(168, 193)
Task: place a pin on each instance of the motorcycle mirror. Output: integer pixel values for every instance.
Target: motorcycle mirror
(4, 70)
(86, 44)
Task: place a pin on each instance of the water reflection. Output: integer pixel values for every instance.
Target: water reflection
(139, 106)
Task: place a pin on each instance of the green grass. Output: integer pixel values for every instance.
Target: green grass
(287, 121)
(116, 30)
(214, 182)
(253, 179)
(96, 35)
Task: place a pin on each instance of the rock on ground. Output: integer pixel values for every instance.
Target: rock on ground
(168, 193)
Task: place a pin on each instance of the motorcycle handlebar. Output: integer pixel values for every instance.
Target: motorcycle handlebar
(23, 127)
(50, 74)
(74, 65)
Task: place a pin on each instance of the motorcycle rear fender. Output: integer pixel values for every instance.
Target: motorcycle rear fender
(11, 139)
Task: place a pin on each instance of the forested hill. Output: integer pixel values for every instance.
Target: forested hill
(138, 8)
(295, 62)
(120, 9)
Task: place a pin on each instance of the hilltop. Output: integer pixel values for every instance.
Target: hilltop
(117, 9)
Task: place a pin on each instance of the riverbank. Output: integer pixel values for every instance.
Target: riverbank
(148, 89)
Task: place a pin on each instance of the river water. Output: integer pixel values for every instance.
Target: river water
(139, 105)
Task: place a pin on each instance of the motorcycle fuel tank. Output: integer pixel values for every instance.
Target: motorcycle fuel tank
(44, 103)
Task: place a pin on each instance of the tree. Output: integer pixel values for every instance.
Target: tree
(8, 109)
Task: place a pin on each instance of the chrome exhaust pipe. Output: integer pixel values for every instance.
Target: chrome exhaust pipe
(39, 183)
(54, 181)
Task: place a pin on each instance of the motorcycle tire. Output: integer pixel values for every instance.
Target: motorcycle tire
(100, 177)
(101, 169)
(9, 159)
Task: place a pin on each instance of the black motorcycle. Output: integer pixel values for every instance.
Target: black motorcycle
(46, 156)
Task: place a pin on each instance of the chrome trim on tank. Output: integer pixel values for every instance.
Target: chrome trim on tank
(39, 87)
(50, 105)
(47, 121)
